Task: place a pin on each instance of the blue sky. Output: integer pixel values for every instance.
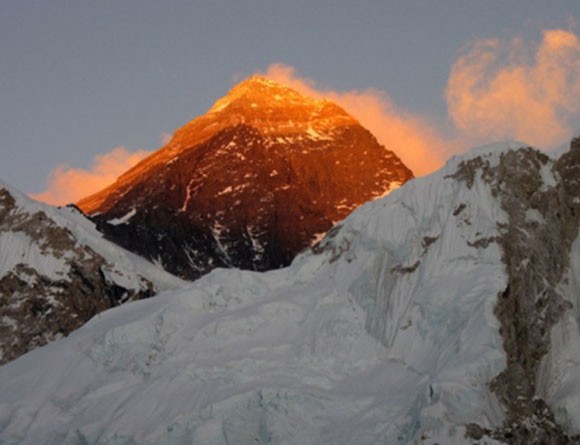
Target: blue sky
(79, 78)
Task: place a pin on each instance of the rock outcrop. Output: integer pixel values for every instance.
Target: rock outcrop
(55, 274)
(542, 200)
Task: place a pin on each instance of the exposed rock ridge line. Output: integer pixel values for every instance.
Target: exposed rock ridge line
(50, 282)
(541, 198)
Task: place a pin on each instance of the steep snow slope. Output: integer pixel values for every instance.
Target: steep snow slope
(387, 332)
(56, 272)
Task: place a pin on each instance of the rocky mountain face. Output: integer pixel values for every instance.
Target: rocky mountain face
(250, 184)
(447, 312)
(542, 201)
(56, 272)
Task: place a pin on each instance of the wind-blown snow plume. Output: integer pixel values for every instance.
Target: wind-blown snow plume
(412, 137)
(66, 184)
(515, 90)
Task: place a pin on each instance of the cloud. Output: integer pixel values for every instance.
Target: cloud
(497, 89)
(416, 141)
(66, 184)
(515, 89)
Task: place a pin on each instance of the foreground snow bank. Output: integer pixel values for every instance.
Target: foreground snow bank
(384, 334)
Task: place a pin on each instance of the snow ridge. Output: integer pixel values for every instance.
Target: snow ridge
(56, 271)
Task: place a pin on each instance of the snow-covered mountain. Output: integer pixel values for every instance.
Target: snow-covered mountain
(445, 313)
(258, 178)
(57, 272)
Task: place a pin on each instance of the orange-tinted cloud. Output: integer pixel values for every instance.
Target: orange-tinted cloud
(411, 137)
(496, 90)
(66, 184)
(513, 89)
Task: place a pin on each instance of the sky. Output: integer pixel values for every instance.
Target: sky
(89, 88)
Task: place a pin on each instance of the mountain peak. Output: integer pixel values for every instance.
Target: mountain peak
(249, 184)
(258, 92)
(257, 80)
(260, 84)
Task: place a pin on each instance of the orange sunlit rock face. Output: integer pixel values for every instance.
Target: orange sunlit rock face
(276, 110)
(249, 184)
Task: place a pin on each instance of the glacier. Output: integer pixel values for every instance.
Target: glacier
(384, 332)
